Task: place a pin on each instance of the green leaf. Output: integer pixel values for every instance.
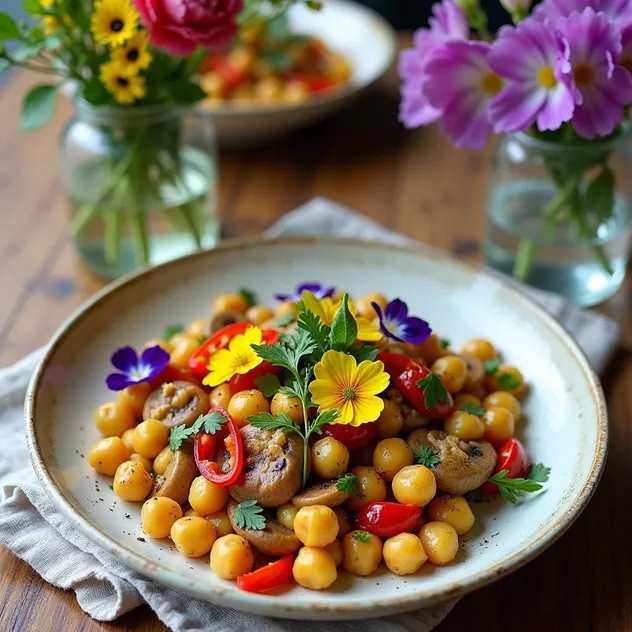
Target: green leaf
(277, 354)
(284, 320)
(600, 195)
(445, 343)
(491, 366)
(314, 326)
(27, 51)
(185, 92)
(290, 390)
(172, 330)
(506, 381)
(361, 536)
(434, 391)
(347, 483)
(8, 28)
(33, 7)
(344, 329)
(278, 59)
(248, 296)
(177, 436)
(39, 106)
(278, 27)
(539, 473)
(211, 422)
(268, 384)
(266, 421)
(249, 515)
(304, 344)
(324, 418)
(427, 457)
(473, 409)
(94, 92)
(363, 352)
(297, 40)
(512, 488)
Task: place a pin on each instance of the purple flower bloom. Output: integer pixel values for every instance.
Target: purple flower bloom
(616, 10)
(534, 58)
(316, 289)
(625, 59)
(395, 323)
(460, 83)
(601, 88)
(135, 370)
(449, 23)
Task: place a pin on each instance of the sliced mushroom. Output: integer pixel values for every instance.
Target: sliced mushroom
(176, 403)
(179, 475)
(464, 465)
(223, 319)
(275, 539)
(325, 493)
(412, 418)
(475, 372)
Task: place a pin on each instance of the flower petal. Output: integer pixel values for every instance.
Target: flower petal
(396, 311)
(337, 368)
(155, 359)
(367, 331)
(371, 378)
(125, 359)
(366, 408)
(415, 330)
(314, 305)
(118, 381)
(325, 394)
(347, 413)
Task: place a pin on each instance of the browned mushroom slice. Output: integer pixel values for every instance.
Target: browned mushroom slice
(223, 319)
(179, 475)
(275, 539)
(325, 493)
(464, 465)
(412, 418)
(176, 403)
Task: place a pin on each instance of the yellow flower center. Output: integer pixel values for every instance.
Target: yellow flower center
(584, 75)
(546, 77)
(116, 25)
(349, 393)
(491, 84)
(122, 81)
(132, 54)
(241, 359)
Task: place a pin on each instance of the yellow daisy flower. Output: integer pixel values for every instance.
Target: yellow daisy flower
(240, 358)
(349, 388)
(123, 83)
(113, 22)
(326, 310)
(134, 53)
(50, 24)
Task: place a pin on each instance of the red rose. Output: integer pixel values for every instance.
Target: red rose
(180, 26)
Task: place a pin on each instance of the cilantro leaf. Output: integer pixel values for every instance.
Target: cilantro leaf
(277, 354)
(304, 344)
(284, 320)
(211, 422)
(491, 366)
(434, 391)
(172, 330)
(513, 488)
(473, 409)
(266, 421)
(427, 456)
(324, 418)
(314, 326)
(290, 390)
(445, 343)
(344, 329)
(347, 483)
(286, 339)
(363, 352)
(177, 436)
(248, 296)
(361, 536)
(249, 515)
(539, 473)
(506, 381)
(268, 384)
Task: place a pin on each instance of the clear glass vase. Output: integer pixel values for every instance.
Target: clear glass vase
(141, 184)
(559, 216)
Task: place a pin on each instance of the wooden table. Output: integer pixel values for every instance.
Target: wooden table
(413, 182)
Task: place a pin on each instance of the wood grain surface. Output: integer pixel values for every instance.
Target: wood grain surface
(412, 182)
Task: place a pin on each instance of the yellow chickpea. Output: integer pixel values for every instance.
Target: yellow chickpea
(183, 347)
(391, 455)
(158, 515)
(193, 536)
(501, 399)
(499, 425)
(507, 378)
(466, 398)
(475, 373)
(127, 439)
(344, 521)
(283, 404)
(464, 425)
(150, 437)
(316, 525)
(113, 419)
(191, 512)
(134, 397)
(440, 542)
(159, 342)
(371, 487)
(206, 497)
(330, 458)
(285, 308)
(231, 556)
(221, 523)
(258, 314)
(161, 462)
(454, 510)
(404, 554)
(365, 309)
(132, 481)
(107, 454)
(452, 371)
(431, 348)
(143, 460)
(246, 403)
(285, 514)
(314, 568)
(390, 421)
(362, 553)
(335, 550)
(230, 303)
(296, 92)
(481, 348)
(198, 328)
(268, 90)
(220, 396)
(414, 485)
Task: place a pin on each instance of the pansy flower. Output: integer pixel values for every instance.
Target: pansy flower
(395, 323)
(134, 369)
(316, 289)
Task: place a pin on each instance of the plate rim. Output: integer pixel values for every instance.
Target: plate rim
(252, 602)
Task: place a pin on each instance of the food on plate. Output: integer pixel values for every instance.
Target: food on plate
(319, 437)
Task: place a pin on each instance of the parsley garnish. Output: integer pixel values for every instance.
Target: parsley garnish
(211, 423)
(347, 484)
(172, 330)
(314, 326)
(491, 366)
(363, 352)
(111, 487)
(506, 381)
(249, 515)
(513, 488)
(434, 391)
(268, 384)
(473, 409)
(539, 473)
(445, 343)
(361, 536)
(427, 456)
(284, 320)
(266, 421)
(248, 296)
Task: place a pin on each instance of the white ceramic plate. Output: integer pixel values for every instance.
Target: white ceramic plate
(566, 423)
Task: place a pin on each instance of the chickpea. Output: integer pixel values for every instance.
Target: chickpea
(159, 342)
(475, 373)
(258, 314)
(454, 510)
(220, 522)
(268, 90)
(464, 425)
(158, 515)
(284, 308)
(390, 421)
(452, 370)
(362, 552)
(107, 454)
(113, 419)
(330, 458)
(510, 373)
(191, 512)
(220, 396)
(183, 347)
(230, 303)
(314, 568)
(127, 439)
(365, 309)
(150, 437)
(133, 397)
(391, 455)
(501, 399)
(344, 521)
(296, 92)
(404, 554)
(242, 59)
(161, 462)
(316, 525)
(414, 485)
(193, 536)
(246, 403)
(440, 542)
(285, 514)
(371, 487)
(231, 556)
(198, 328)
(206, 497)
(283, 404)
(499, 425)
(466, 398)
(132, 481)
(143, 460)
(431, 348)
(481, 348)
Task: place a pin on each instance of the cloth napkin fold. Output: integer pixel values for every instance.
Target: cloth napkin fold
(36, 532)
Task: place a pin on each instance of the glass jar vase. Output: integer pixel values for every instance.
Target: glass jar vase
(559, 216)
(141, 184)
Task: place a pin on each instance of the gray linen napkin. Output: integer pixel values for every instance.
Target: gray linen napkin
(35, 531)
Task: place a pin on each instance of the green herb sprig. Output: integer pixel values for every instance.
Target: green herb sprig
(249, 515)
(473, 409)
(513, 488)
(427, 457)
(210, 423)
(434, 391)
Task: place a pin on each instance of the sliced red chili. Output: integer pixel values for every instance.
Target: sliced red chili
(231, 75)
(268, 577)
(407, 385)
(396, 363)
(511, 456)
(315, 83)
(386, 519)
(198, 361)
(354, 438)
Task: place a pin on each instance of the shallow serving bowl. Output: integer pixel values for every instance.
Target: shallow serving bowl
(565, 424)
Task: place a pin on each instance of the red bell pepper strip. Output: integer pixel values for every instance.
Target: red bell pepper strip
(315, 83)
(268, 577)
(231, 75)
(204, 452)
(511, 456)
(396, 363)
(386, 519)
(246, 381)
(354, 438)
(407, 385)
(219, 340)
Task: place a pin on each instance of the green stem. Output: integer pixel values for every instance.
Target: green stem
(585, 233)
(113, 226)
(524, 259)
(138, 225)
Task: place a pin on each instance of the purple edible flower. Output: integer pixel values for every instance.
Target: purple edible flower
(316, 289)
(395, 323)
(135, 370)
(619, 11)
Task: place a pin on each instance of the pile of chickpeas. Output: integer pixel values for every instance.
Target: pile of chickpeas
(134, 451)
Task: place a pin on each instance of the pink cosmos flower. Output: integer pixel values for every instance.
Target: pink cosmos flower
(533, 59)
(448, 23)
(625, 59)
(460, 84)
(616, 10)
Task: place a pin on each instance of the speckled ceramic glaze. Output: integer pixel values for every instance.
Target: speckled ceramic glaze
(565, 425)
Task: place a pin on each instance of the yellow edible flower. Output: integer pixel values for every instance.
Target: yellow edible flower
(113, 22)
(349, 388)
(240, 358)
(123, 83)
(134, 54)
